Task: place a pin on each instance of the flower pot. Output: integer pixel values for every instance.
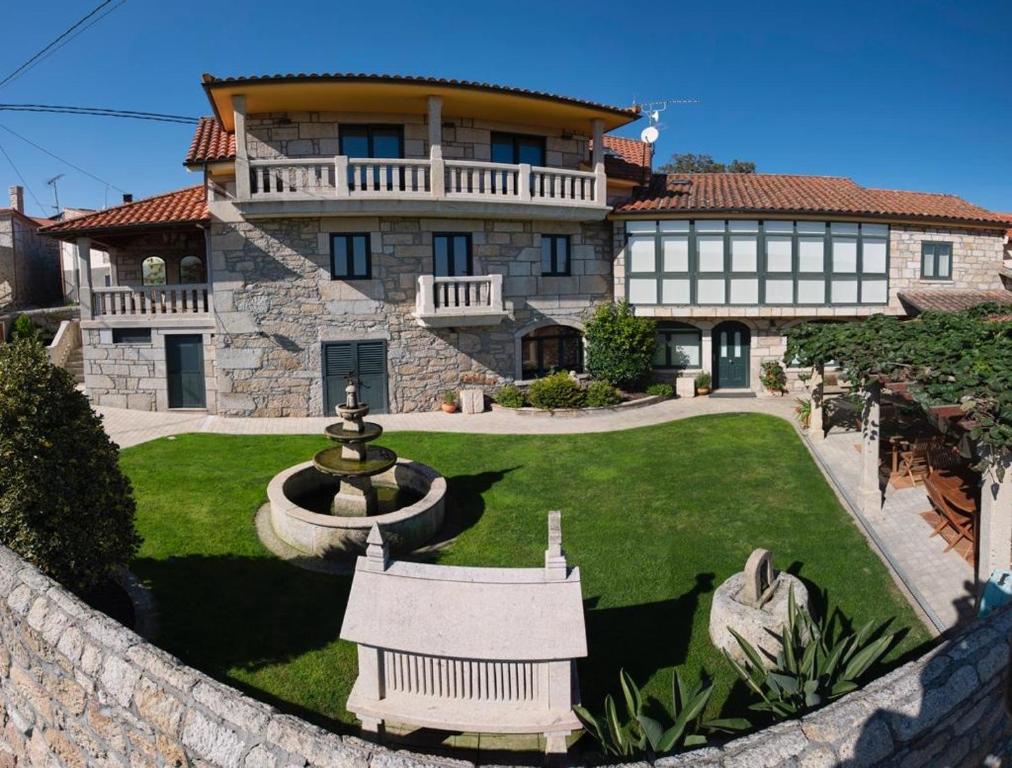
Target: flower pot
(448, 407)
(702, 390)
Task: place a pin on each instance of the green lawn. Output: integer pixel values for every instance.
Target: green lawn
(654, 517)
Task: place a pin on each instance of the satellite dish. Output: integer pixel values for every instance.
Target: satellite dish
(649, 134)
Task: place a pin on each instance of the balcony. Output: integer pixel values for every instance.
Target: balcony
(443, 302)
(132, 305)
(418, 187)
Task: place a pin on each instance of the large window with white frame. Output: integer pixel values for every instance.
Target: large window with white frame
(748, 262)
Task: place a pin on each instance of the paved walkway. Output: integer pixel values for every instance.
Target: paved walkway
(128, 428)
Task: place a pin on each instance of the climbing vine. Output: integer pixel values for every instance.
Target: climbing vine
(957, 358)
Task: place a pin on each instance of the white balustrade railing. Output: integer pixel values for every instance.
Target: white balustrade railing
(449, 296)
(345, 178)
(133, 301)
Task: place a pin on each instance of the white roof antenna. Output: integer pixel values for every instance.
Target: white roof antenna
(653, 110)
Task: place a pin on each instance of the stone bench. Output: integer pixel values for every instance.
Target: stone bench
(484, 650)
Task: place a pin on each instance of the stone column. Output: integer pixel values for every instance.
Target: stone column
(437, 179)
(83, 259)
(995, 534)
(871, 493)
(242, 190)
(816, 425)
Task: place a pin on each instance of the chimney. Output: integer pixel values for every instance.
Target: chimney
(18, 199)
(127, 197)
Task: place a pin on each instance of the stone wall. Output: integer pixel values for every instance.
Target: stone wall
(277, 304)
(29, 264)
(128, 255)
(78, 689)
(316, 134)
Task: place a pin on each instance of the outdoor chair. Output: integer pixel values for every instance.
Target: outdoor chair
(914, 461)
(961, 521)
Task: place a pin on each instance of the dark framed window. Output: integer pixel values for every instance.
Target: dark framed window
(516, 148)
(350, 256)
(372, 140)
(554, 255)
(451, 254)
(131, 335)
(549, 349)
(936, 261)
(191, 270)
(678, 346)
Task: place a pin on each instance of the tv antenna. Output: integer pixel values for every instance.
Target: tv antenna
(653, 110)
(56, 192)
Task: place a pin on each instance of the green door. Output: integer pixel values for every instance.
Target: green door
(731, 345)
(367, 361)
(184, 365)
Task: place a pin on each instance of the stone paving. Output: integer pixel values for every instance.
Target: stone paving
(942, 583)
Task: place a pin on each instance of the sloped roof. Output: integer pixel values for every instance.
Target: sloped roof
(944, 300)
(785, 193)
(210, 143)
(180, 207)
(627, 158)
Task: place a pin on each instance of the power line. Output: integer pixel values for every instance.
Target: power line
(53, 155)
(23, 182)
(65, 37)
(99, 112)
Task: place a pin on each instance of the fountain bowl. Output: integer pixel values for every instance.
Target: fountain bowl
(331, 536)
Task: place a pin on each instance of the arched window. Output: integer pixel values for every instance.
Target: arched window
(191, 270)
(678, 346)
(551, 348)
(153, 271)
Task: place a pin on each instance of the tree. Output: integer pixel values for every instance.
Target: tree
(65, 506)
(689, 163)
(620, 345)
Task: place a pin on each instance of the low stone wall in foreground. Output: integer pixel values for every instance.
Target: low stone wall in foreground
(78, 689)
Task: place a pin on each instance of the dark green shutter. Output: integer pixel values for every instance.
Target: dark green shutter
(367, 360)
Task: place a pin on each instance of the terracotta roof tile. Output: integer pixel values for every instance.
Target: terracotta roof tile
(944, 300)
(776, 193)
(210, 142)
(627, 158)
(182, 206)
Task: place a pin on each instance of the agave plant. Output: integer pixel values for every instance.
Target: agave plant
(636, 733)
(815, 665)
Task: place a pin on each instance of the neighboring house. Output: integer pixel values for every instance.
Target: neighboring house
(428, 234)
(101, 269)
(1007, 265)
(29, 262)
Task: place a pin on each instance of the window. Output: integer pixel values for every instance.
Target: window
(131, 335)
(191, 270)
(451, 254)
(350, 257)
(153, 271)
(516, 148)
(936, 261)
(372, 140)
(549, 349)
(554, 255)
(678, 346)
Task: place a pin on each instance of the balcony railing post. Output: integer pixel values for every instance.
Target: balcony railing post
(600, 186)
(437, 177)
(524, 182)
(425, 301)
(341, 175)
(495, 292)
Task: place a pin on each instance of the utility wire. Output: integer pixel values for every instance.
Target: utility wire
(25, 183)
(53, 155)
(99, 112)
(65, 37)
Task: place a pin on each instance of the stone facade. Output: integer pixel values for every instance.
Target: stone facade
(29, 264)
(78, 689)
(277, 304)
(128, 255)
(316, 134)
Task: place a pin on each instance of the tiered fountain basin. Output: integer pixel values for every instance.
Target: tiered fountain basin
(411, 510)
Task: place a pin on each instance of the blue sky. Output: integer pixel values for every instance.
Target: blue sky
(907, 95)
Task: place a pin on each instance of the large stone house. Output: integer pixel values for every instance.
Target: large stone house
(29, 262)
(429, 234)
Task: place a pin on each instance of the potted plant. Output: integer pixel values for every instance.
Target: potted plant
(449, 404)
(703, 383)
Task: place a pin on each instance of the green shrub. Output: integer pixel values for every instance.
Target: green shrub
(773, 377)
(556, 391)
(449, 397)
(620, 345)
(600, 394)
(510, 396)
(635, 733)
(25, 329)
(702, 380)
(64, 503)
(660, 389)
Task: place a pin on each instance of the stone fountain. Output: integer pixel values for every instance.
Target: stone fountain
(327, 506)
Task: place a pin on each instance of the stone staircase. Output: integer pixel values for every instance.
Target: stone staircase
(75, 365)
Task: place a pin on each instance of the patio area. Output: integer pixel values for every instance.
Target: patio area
(942, 582)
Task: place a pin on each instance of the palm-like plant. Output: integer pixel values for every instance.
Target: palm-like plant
(636, 732)
(815, 665)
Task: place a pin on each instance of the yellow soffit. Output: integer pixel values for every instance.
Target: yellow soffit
(411, 98)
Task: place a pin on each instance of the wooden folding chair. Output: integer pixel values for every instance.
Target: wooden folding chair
(914, 462)
(960, 521)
